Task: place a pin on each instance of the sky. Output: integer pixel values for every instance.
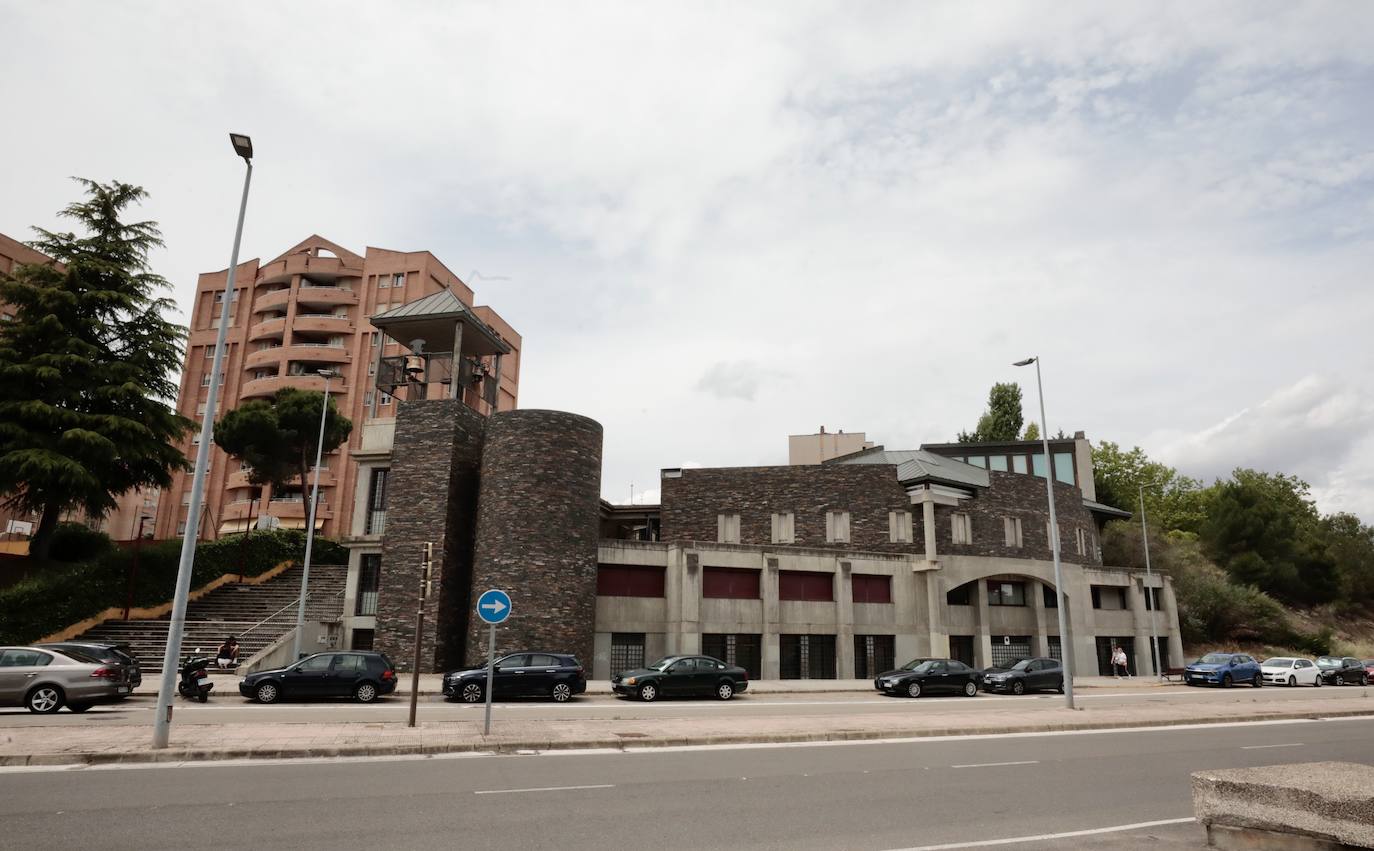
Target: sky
(718, 224)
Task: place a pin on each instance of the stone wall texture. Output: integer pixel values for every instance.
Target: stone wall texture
(538, 523)
(1023, 496)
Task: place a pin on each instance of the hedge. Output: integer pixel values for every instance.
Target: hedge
(66, 594)
(77, 542)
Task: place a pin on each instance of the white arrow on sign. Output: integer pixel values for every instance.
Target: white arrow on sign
(495, 606)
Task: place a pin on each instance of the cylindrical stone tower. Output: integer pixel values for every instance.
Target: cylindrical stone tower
(538, 521)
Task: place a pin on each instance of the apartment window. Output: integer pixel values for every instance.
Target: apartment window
(627, 651)
(1056, 647)
(219, 296)
(627, 580)
(398, 279)
(961, 596)
(874, 654)
(1012, 529)
(375, 523)
(730, 583)
(385, 398)
(743, 649)
(372, 368)
(1109, 597)
(181, 527)
(806, 585)
(1050, 598)
(195, 438)
(899, 527)
(837, 527)
(369, 583)
(1002, 593)
(1081, 540)
(727, 528)
(367, 399)
(375, 339)
(383, 281)
(961, 528)
(871, 588)
(784, 528)
(209, 352)
(807, 657)
(1153, 601)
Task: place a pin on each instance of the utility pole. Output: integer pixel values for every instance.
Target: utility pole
(426, 583)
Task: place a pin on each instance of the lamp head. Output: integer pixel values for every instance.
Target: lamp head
(327, 373)
(1026, 362)
(243, 146)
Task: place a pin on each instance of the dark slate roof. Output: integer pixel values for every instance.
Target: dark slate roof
(1100, 508)
(918, 464)
(441, 305)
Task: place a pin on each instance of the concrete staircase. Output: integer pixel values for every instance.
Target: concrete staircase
(255, 614)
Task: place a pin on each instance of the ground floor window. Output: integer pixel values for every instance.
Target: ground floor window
(369, 583)
(1104, 654)
(362, 639)
(807, 657)
(743, 649)
(1161, 663)
(961, 648)
(1008, 649)
(873, 654)
(627, 651)
(1056, 648)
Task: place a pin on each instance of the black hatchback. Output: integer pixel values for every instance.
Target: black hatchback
(1039, 673)
(524, 674)
(362, 675)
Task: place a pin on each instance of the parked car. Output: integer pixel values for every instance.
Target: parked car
(363, 675)
(932, 676)
(1342, 670)
(524, 674)
(1224, 669)
(45, 679)
(112, 654)
(1287, 671)
(1039, 673)
(1369, 668)
(674, 676)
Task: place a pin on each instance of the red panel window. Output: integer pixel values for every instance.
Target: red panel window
(805, 585)
(730, 582)
(623, 580)
(872, 588)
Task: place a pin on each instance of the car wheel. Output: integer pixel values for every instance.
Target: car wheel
(365, 693)
(203, 695)
(561, 692)
(1060, 687)
(1340, 680)
(913, 689)
(725, 691)
(1257, 681)
(1018, 687)
(78, 707)
(1364, 679)
(1292, 680)
(1226, 681)
(970, 689)
(267, 693)
(471, 693)
(1318, 681)
(45, 700)
(648, 692)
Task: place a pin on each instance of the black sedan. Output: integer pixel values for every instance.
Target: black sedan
(524, 674)
(362, 675)
(1342, 670)
(932, 676)
(674, 676)
(1039, 673)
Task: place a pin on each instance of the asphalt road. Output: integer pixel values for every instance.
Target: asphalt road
(231, 708)
(880, 795)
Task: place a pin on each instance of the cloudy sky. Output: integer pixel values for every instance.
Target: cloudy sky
(718, 224)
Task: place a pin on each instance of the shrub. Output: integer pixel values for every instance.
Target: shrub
(73, 542)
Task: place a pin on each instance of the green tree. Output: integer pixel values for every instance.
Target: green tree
(1002, 419)
(1350, 544)
(86, 367)
(1172, 502)
(277, 438)
(1032, 431)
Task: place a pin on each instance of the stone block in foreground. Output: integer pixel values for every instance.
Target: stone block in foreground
(1303, 807)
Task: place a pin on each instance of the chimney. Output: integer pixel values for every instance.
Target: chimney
(822, 429)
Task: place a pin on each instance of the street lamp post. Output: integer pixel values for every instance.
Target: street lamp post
(133, 566)
(1149, 592)
(1065, 645)
(310, 527)
(162, 718)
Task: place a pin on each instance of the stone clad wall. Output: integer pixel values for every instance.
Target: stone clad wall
(538, 525)
(1023, 496)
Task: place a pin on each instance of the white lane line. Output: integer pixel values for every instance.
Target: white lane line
(543, 789)
(1262, 747)
(996, 764)
(1043, 837)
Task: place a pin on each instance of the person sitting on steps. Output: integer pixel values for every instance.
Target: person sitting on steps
(228, 655)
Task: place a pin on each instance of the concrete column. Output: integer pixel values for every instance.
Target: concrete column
(982, 651)
(928, 527)
(1041, 642)
(674, 581)
(455, 390)
(376, 374)
(496, 377)
(771, 650)
(1141, 666)
(1175, 637)
(688, 639)
(844, 621)
(936, 630)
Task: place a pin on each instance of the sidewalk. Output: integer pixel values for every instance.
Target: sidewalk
(95, 744)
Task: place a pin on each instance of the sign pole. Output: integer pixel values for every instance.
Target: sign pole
(420, 629)
(491, 671)
(493, 607)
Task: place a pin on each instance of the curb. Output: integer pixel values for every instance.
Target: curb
(615, 742)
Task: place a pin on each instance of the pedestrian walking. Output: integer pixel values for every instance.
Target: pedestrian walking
(1119, 662)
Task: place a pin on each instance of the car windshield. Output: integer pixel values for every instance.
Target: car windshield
(1022, 665)
(1214, 659)
(1329, 662)
(924, 666)
(913, 664)
(1278, 662)
(81, 655)
(662, 664)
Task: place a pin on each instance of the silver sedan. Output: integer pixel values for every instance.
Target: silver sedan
(45, 680)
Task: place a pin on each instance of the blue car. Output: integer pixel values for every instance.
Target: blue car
(1225, 670)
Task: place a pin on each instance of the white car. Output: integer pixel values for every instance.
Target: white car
(1287, 671)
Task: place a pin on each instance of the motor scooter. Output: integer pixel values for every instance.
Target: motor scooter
(195, 679)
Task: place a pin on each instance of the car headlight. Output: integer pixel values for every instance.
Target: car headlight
(629, 681)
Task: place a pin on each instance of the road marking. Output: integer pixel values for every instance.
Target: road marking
(1043, 837)
(1262, 747)
(996, 764)
(543, 789)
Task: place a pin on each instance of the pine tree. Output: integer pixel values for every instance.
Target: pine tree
(87, 366)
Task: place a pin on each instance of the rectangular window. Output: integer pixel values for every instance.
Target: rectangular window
(1050, 598)
(727, 528)
(1008, 649)
(209, 352)
(367, 399)
(629, 580)
(730, 583)
(383, 281)
(1081, 540)
(181, 527)
(1012, 529)
(899, 527)
(375, 339)
(375, 523)
(1018, 464)
(807, 657)
(384, 399)
(978, 461)
(743, 649)
(873, 654)
(1001, 593)
(784, 528)
(961, 596)
(1109, 597)
(363, 639)
(372, 368)
(369, 583)
(1153, 601)
(961, 529)
(1038, 464)
(627, 651)
(1063, 467)
(398, 279)
(806, 585)
(997, 462)
(871, 588)
(837, 527)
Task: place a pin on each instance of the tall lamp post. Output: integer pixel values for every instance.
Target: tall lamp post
(310, 528)
(1152, 606)
(1065, 645)
(162, 718)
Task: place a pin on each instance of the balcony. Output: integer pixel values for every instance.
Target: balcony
(263, 387)
(276, 298)
(328, 323)
(264, 357)
(319, 268)
(238, 479)
(313, 352)
(326, 296)
(295, 509)
(272, 329)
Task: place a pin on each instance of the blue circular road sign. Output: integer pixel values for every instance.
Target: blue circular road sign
(493, 606)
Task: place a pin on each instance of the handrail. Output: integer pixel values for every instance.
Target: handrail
(295, 602)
